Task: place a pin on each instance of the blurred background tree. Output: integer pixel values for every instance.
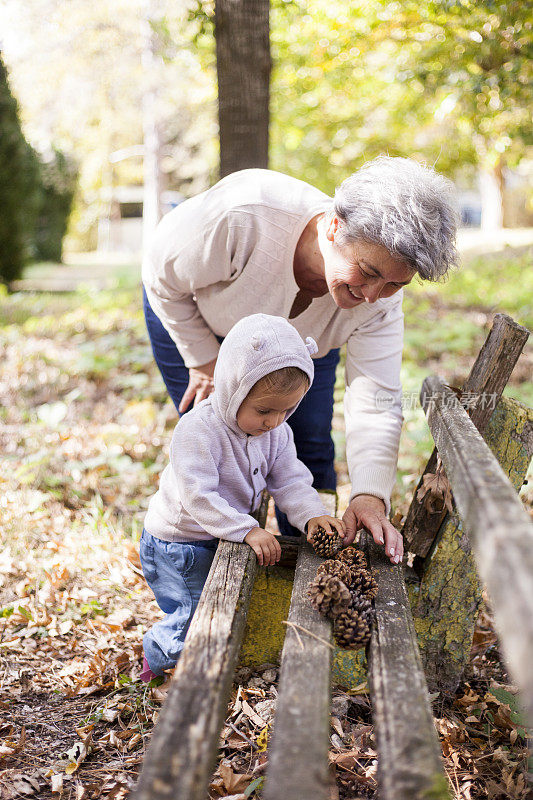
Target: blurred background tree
(445, 82)
(243, 73)
(57, 183)
(18, 186)
(78, 72)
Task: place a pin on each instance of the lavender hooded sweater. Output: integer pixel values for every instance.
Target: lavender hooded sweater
(217, 473)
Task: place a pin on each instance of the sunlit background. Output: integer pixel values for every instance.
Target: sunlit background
(446, 83)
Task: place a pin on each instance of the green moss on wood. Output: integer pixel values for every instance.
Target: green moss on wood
(349, 668)
(510, 437)
(269, 606)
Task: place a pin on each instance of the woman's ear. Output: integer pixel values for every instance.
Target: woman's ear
(331, 230)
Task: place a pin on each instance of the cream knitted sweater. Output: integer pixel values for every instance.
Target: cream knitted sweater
(229, 252)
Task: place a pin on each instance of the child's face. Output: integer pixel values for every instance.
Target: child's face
(262, 411)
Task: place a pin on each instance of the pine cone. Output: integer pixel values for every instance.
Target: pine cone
(362, 603)
(325, 544)
(351, 630)
(352, 556)
(329, 595)
(363, 583)
(337, 568)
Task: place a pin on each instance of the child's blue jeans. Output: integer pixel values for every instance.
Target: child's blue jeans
(310, 423)
(176, 573)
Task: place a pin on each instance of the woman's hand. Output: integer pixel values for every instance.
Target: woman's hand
(200, 385)
(265, 546)
(367, 511)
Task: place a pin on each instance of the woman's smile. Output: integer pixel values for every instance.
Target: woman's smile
(357, 297)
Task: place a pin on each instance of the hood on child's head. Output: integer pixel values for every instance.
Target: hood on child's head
(254, 347)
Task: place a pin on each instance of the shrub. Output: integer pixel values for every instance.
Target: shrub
(57, 184)
(19, 182)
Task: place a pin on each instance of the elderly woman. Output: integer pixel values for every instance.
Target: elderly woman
(260, 241)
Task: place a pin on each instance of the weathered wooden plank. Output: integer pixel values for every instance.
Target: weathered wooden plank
(409, 763)
(182, 753)
(298, 761)
(499, 529)
(488, 378)
(446, 601)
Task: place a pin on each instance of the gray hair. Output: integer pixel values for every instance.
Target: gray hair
(404, 206)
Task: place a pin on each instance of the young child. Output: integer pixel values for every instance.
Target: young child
(223, 454)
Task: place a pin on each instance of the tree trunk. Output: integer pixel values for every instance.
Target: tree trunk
(243, 67)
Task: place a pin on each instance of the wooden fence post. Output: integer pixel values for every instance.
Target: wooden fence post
(446, 604)
(487, 379)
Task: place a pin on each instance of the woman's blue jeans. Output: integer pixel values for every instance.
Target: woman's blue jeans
(310, 423)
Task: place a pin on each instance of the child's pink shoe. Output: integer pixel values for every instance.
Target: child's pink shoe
(147, 675)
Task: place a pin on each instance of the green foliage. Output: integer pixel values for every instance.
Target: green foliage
(254, 786)
(58, 176)
(35, 194)
(475, 67)
(439, 789)
(18, 186)
(90, 94)
(499, 282)
(444, 82)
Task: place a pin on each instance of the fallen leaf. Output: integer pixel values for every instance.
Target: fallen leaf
(8, 748)
(234, 797)
(110, 714)
(233, 781)
(262, 740)
(57, 782)
(13, 784)
(251, 714)
(436, 492)
(348, 760)
(80, 791)
(65, 627)
(78, 753)
(133, 741)
(82, 732)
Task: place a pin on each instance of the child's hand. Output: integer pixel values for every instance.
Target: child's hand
(265, 546)
(330, 524)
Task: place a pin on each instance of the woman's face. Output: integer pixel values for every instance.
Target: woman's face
(361, 272)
